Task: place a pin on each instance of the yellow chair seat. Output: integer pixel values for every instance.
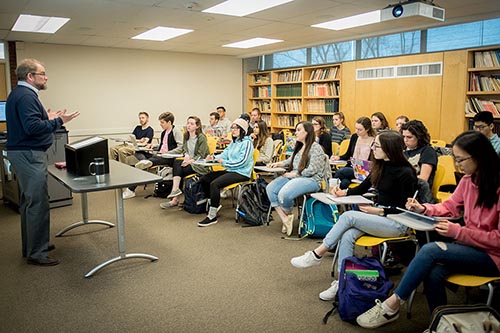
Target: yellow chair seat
(465, 280)
(366, 240)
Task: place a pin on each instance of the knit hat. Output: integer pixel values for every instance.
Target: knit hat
(241, 123)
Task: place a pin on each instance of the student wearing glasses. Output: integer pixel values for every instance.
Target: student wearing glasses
(322, 136)
(476, 249)
(483, 122)
(237, 158)
(395, 180)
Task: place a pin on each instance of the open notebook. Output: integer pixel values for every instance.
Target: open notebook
(417, 221)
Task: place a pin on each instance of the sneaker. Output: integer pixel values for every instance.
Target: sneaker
(143, 164)
(283, 229)
(330, 293)
(289, 225)
(168, 204)
(376, 316)
(174, 194)
(127, 194)
(306, 260)
(207, 221)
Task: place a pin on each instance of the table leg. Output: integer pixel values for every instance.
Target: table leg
(85, 218)
(120, 222)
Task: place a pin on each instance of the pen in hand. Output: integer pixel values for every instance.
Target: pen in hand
(414, 197)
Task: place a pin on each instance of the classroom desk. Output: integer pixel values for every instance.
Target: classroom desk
(120, 176)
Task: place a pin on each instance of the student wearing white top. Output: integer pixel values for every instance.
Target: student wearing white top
(224, 122)
(263, 142)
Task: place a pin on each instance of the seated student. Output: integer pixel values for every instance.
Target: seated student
(359, 148)
(170, 141)
(395, 179)
(246, 117)
(477, 247)
(237, 158)
(213, 129)
(263, 142)
(194, 147)
(322, 136)
(255, 116)
(305, 171)
(483, 122)
(339, 131)
(400, 121)
(419, 151)
(143, 134)
(379, 122)
(224, 122)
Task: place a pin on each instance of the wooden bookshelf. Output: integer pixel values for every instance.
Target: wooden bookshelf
(296, 94)
(483, 86)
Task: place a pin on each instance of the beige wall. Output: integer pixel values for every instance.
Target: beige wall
(109, 86)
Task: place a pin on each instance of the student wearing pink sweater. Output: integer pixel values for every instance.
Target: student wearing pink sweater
(477, 243)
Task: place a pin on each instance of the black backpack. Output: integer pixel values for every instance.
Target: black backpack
(195, 200)
(163, 188)
(253, 203)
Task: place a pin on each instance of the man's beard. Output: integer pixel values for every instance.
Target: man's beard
(41, 86)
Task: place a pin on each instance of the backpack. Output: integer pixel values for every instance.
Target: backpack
(361, 282)
(195, 200)
(163, 188)
(464, 319)
(317, 218)
(253, 203)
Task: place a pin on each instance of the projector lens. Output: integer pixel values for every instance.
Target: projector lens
(397, 11)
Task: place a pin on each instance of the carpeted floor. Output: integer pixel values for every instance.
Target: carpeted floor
(222, 278)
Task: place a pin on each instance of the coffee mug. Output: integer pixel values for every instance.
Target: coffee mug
(99, 169)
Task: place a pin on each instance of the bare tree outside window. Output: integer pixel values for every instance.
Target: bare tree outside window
(331, 53)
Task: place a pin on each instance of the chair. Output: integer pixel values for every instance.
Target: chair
(438, 143)
(335, 148)
(445, 175)
(277, 151)
(238, 185)
(344, 145)
(212, 144)
(468, 281)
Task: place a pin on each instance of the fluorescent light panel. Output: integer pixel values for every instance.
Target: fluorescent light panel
(162, 33)
(253, 42)
(41, 24)
(243, 7)
(351, 21)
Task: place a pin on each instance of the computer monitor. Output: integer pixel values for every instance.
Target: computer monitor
(2, 111)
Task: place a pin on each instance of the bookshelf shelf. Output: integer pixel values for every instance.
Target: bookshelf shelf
(293, 95)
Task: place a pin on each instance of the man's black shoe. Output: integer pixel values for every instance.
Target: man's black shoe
(42, 261)
(51, 247)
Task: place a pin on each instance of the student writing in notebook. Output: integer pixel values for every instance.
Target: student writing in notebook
(395, 179)
(477, 247)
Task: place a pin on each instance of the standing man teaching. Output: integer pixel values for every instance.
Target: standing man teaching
(30, 132)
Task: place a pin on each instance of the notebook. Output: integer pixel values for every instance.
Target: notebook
(361, 168)
(417, 221)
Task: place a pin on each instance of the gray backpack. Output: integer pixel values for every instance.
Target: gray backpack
(464, 319)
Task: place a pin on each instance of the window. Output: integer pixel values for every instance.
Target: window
(290, 59)
(2, 52)
(333, 53)
(463, 35)
(390, 45)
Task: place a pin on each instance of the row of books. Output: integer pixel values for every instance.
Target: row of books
(323, 89)
(262, 78)
(290, 76)
(487, 58)
(291, 105)
(326, 105)
(475, 105)
(329, 73)
(289, 90)
(262, 105)
(261, 91)
(288, 121)
(484, 83)
(266, 118)
(328, 120)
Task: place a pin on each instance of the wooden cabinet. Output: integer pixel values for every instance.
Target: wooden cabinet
(292, 95)
(483, 89)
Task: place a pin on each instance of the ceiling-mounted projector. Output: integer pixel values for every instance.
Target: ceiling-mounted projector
(412, 9)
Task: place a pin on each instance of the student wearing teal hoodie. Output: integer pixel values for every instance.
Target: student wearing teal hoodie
(237, 158)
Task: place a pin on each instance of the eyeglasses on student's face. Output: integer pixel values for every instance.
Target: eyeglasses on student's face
(234, 127)
(480, 127)
(459, 159)
(375, 145)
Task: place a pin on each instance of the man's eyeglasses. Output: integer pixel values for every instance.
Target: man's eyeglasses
(41, 74)
(461, 159)
(479, 127)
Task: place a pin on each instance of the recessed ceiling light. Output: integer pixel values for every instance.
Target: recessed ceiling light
(162, 33)
(243, 7)
(42, 24)
(253, 42)
(351, 21)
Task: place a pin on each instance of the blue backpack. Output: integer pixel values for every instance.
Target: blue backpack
(361, 282)
(317, 218)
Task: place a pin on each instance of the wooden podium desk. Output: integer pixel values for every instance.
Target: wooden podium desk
(120, 176)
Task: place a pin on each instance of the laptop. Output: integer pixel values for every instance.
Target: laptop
(362, 168)
(138, 146)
